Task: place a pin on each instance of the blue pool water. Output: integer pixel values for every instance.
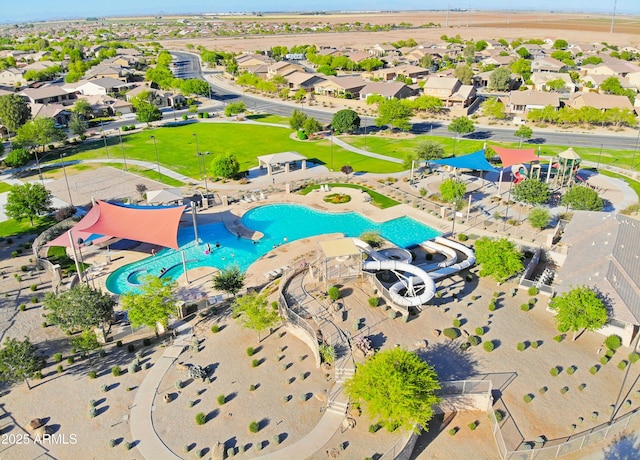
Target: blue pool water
(276, 222)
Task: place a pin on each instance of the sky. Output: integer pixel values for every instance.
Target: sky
(37, 10)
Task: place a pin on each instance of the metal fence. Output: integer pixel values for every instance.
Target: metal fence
(384, 292)
(541, 449)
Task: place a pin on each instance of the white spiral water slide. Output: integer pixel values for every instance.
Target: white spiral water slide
(423, 275)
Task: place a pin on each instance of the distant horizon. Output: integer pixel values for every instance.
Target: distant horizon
(42, 11)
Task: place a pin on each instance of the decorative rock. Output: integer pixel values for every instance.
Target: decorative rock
(167, 398)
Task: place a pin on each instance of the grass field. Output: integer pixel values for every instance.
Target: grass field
(12, 227)
(177, 147)
(4, 187)
(377, 199)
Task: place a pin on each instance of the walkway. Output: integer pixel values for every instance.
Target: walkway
(140, 419)
(366, 153)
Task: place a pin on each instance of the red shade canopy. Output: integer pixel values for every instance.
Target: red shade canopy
(510, 157)
(148, 224)
(89, 219)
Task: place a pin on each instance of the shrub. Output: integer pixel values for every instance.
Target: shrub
(133, 368)
(252, 387)
(373, 301)
(116, 371)
(634, 357)
(559, 338)
(593, 370)
(554, 371)
(521, 346)
(201, 418)
(250, 351)
(131, 348)
(222, 399)
(57, 357)
(33, 287)
(113, 443)
(613, 342)
(178, 384)
(473, 425)
(479, 330)
(23, 268)
(582, 386)
(457, 323)
(535, 344)
(465, 346)
(462, 237)
(93, 412)
(14, 254)
(215, 328)
(475, 340)
(488, 346)
(119, 343)
(255, 363)
(527, 398)
(59, 369)
(571, 370)
(374, 428)
(533, 291)
(604, 360)
(499, 415)
(146, 342)
(34, 299)
(254, 427)
(451, 333)
(70, 360)
(492, 306)
(525, 307)
(453, 431)
(563, 390)
(623, 364)
(543, 390)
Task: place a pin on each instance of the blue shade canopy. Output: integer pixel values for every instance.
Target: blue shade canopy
(474, 160)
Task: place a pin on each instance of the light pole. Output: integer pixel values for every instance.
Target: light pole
(198, 155)
(157, 158)
(39, 169)
(64, 170)
(599, 156)
(204, 170)
(104, 138)
(331, 139)
(124, 157)
(633, 160)
(506, 214)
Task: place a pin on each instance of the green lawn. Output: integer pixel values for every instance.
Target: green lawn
(377, 199)
(269, 118)
(12, 227)
(177, 147)
(58, 255)
(4, 187)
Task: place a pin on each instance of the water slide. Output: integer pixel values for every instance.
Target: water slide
(422, 275)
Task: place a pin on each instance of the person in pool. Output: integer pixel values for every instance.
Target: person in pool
(217, 244)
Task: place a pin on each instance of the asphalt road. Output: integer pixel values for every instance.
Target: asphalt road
(192, 69)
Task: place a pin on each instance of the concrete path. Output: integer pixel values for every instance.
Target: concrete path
(140, 422)
(366, 153)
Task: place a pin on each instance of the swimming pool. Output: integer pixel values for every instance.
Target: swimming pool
(276, 222)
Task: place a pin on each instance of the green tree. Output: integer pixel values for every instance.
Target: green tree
(494, 109)
(86, 342)
(80, 307)
(523, 132)
(255, 313)
(235, 108)
(532, 191)
(27, 201)
(230, 280)
(579, 308)
(396, 388)
(481, 45)
(82, 108)
(297, 119)
(464, 73)
(499, 259)
(19, 361)
(17, 158)
(557, 85)
(428, 103)
(152, 305)
(77, 125)
(345, 121)
(452, 191)
(460, 125)
(195, 86)
(595, 60)
(394, 113)
(346, 170)
(429, 150)
(523, 53)
(539, 218)
(39, 132)
(521, 67)
(225, 165)
(326, 70)
(500, 79)
(372, 238)
(146, 112)
(560, 44)
(583, 198)
(311, 125)
(14, 111)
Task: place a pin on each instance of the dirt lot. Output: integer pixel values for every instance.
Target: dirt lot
(472, 25)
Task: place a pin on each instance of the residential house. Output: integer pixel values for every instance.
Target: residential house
(524, 101)
(380, 50)
(283, 68)
(39, 66)
(358, 56)
(329, 52)
(108, 70)
(102, 86)
(409, 71)
(634, 81)
(341, 86)
(246, 60)
(548, 64)
(58, 112)
(260, 71)
(495, 45)
(615, 69)
(450, 90)
(610, 264)
(388, 90)
(48, 94)
(12, 77)
(600, 101)
(584, 49)
(594, 81)
(535, 51)
(497, 60)
(540, 80)
(304, 80)
(162, 98)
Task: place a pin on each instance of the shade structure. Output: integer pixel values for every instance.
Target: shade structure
(476, 161)
(88, 220)
(569, 154)
(164, 196)
(147, 224)
(510, 157)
